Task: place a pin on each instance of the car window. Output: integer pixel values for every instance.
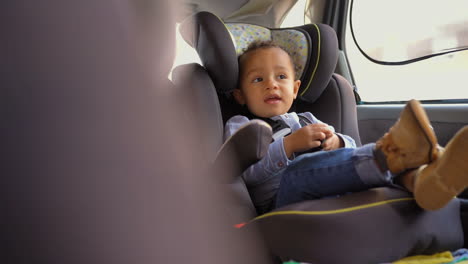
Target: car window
(295, 16)
(184, 52)
(390, 52)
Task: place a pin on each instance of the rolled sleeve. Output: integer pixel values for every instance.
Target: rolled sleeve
(274, 161)
(278, 155)
(347, 140)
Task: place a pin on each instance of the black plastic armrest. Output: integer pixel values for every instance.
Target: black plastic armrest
(244, 148)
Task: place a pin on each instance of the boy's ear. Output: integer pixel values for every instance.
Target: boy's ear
(239, 96)
(297, 84)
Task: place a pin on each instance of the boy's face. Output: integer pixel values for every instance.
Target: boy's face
(267, 84)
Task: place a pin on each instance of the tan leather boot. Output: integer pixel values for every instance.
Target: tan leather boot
(410, 142)
(437, 183)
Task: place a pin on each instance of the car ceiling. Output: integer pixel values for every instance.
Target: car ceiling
(268, 13)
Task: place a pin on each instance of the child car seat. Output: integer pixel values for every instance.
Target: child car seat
(374, 226)
(314, 49)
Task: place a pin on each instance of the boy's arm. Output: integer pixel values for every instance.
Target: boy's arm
(234, 124)
(274, 160)
(243, 148)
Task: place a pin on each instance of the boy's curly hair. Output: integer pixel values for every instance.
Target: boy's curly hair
(263, 44)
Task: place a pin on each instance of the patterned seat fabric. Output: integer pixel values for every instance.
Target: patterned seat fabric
(295, 41)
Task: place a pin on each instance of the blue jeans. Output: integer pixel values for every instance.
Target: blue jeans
(330, 173)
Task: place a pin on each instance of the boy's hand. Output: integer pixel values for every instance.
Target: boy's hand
(308, 137)
(333, 142)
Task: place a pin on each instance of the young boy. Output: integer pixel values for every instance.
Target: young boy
(267, 87)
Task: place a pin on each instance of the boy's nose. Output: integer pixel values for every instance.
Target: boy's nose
(272, 84)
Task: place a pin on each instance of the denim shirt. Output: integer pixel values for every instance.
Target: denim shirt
(262, 178)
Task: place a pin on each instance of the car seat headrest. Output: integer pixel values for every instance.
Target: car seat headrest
(313, 48)
(207, 34)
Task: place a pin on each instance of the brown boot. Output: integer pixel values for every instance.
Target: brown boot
(437, 183)
(411, 142)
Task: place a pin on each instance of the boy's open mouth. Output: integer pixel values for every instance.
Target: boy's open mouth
(272, 99)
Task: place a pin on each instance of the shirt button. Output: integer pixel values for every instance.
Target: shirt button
(280, 164)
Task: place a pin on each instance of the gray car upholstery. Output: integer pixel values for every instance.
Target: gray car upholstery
(95, 169)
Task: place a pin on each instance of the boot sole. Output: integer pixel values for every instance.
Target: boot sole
(442, 180)
(423, 122)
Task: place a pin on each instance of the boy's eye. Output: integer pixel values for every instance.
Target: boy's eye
(282, 76)
(259, 79)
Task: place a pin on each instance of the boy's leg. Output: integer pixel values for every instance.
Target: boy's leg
(409, 144)
(438, 182)
(327, 173)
